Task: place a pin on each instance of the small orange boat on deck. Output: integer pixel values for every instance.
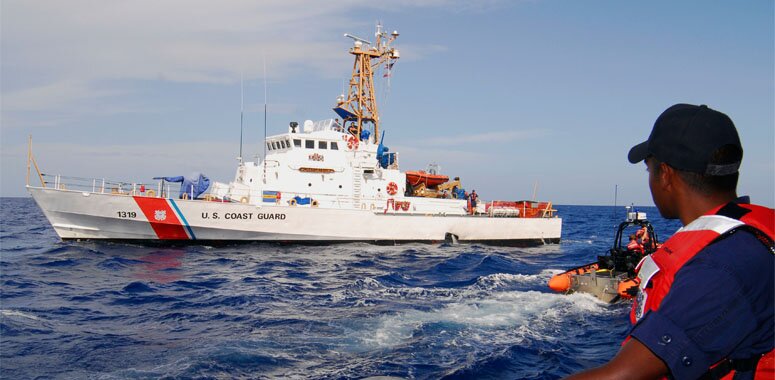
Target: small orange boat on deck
(421, 177)
(612, 277)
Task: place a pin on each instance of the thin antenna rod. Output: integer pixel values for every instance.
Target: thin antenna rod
(29, 158)
(241, 113)
(535, 190)
(265, 101)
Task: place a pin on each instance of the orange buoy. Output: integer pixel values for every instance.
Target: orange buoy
(352, 143)
(560, 282)
(392, 188)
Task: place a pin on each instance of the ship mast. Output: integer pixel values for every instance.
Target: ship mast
(360, 107)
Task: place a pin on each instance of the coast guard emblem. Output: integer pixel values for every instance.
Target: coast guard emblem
(646, 269)
(160, 215)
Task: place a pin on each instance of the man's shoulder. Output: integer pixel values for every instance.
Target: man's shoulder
(741, 239)
(740, 251)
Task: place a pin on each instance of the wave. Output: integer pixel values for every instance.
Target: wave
(522, 313)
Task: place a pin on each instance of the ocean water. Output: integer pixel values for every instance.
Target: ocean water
(119, 311)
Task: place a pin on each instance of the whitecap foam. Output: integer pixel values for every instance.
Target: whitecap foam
(17, 313)
(529, 313)
(371, 288)
(506, 280)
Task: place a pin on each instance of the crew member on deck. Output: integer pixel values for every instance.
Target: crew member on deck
(472, 202)
(633, 245)
(643, 235)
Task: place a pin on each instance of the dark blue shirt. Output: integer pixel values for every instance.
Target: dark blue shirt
(720, 305)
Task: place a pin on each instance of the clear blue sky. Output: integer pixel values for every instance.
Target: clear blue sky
(504, 94)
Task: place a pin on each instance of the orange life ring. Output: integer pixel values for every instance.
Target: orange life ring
(392, 188)
(352, 143)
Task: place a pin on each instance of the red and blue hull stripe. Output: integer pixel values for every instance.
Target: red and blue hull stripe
(165, 218)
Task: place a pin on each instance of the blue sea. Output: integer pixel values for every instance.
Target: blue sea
(95, 310)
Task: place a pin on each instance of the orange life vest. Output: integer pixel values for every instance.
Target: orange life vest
(660, 268)
(635, 246)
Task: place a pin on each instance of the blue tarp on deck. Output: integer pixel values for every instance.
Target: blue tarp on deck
(302, 201)
(194, 185)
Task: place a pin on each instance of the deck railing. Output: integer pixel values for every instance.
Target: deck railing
(106, 186)
(163, 189)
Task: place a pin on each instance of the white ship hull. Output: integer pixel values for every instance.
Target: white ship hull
(102, 216)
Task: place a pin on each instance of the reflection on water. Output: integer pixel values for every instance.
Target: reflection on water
(161, 266)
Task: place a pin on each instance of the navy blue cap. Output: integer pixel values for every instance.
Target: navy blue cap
(686, 136)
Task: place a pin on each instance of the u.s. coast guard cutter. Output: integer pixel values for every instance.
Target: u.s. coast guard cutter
(324, 181)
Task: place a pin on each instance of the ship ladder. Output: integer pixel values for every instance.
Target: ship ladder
(357, 175)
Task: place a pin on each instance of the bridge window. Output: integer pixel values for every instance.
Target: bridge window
(334, 145)
(297, 142)
(309, 144)
(322, 145)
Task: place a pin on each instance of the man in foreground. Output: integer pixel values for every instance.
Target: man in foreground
(704, 308)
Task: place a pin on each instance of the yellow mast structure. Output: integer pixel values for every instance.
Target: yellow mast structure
(360, 107)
